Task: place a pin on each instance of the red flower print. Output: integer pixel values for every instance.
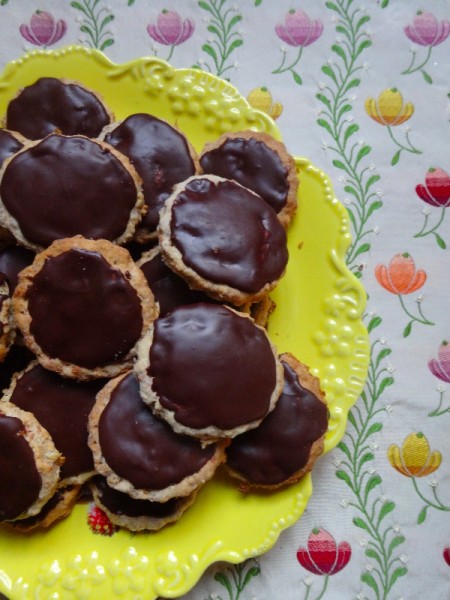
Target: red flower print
(322, 556)
(436, 190)
(43, 29)
(446, 555)
(99, 521)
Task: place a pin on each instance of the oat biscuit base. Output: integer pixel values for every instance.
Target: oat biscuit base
(7, 328)
(11, 224)
(184, 488)
(47, 457)
(118, 258)
(312, 384)
(143, 522)
(173, 257)
(287, 213)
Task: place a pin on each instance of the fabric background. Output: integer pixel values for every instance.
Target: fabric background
(362, 89)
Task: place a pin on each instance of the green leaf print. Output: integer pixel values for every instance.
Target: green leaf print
(222, 22)
(373, 511)
(343, 75)
(235, 578)
(95, 20)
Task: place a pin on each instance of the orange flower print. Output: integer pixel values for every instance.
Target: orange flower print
(261, 99)
(390, 110)
(401, 278)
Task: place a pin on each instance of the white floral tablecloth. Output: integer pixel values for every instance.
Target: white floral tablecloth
(361, 88)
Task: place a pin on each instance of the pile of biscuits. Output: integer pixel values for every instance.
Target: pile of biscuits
(134, 293)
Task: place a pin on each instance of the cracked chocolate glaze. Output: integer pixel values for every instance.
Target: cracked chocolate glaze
(62, 407)
(254, 165)
(141, 448)
(169, 289)
(50, 105)
(20, 480)
(83, 310)
(120, 503)
(160, 155)
(211, 367)
(9, 145)
(281, 445)
(64, 186)
(228, 235)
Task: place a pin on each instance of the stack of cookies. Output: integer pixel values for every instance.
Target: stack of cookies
(134, 286)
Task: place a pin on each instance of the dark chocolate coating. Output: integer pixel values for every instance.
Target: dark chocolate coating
(62, 407)
(9, 145)
(281, 445)
(143, 449)
(120, 503)
(49, 105)
(160, 155)
(19, 476)
(254, 165)
(228, 235)
(16, 360)
(83, 310)
(211, 367)
(12, 260)
(50, 505)
(65, 186)
(169, 289)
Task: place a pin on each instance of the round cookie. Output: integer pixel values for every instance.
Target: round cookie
(82, 306)
(289, 440)
(14, 259)
(10, 143)
(63, 186)
(161, 155)
(7, 329)
(29, 464)
(223, 239)
(56, 105)
(62, 406)
(138, 453)
(209, 371)
(137, 515)
(258, 162)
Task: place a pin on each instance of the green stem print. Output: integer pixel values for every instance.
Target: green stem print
(402, 147)
(235, 578)
(350, 155)
(420, 318)
(433, 229)
(440, 410)
(283, 68)
(433, 503)
(414, 67)
(222, 25)
(95, 20)
(322, 591)
(357, 447)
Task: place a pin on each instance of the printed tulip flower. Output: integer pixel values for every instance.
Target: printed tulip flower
(414, 458)
(426, 31)
(402, 278)
(323, 556)
(440, 366)
(390, 110)
(170, 30)
(446, 555)
(435, 192)
(261, 99)
(43, 29)
(298, 31)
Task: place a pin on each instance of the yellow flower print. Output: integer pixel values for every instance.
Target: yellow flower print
(261, 99)
(414, 458)
(389, 109)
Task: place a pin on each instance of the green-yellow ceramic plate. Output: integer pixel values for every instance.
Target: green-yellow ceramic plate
(318, 318)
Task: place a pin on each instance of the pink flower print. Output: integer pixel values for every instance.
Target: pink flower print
(43, 29)
(436, 192)
(440, 366)
(426, 30)
(299, 31)
(323, 556)
(170, 30)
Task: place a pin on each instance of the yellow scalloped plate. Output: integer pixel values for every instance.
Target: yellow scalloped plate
(318, 318)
